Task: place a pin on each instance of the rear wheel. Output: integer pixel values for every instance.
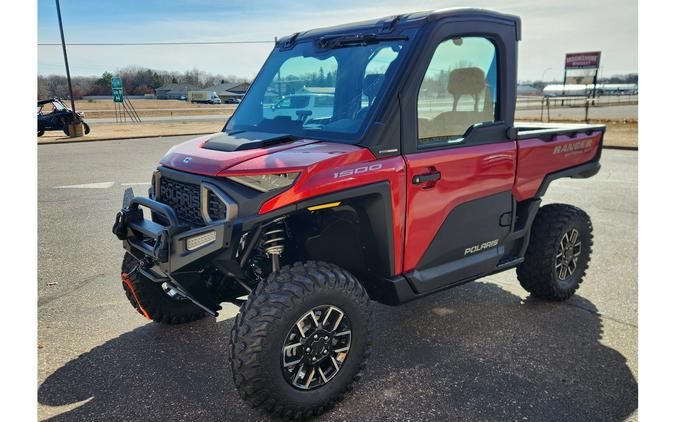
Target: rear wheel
(155, 301)
(87, 129)
(301, 340)
(40, 132)
(559, 252)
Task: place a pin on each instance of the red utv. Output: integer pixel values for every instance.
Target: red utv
(417, 180)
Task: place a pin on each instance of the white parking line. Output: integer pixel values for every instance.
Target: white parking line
(133, 184)
(101, 185)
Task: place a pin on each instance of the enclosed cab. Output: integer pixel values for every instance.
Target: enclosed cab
(413, 178)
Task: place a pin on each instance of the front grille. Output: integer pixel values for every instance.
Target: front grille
(185, 199)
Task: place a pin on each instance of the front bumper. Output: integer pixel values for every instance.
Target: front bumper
(173, 252)
(167, 245)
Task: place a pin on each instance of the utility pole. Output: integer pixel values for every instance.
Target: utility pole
(65, 57)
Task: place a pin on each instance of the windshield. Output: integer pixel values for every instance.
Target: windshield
(320, 93)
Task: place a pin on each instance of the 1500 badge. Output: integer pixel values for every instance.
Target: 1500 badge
(358, 170)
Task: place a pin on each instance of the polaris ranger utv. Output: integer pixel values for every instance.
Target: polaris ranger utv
(417, 181)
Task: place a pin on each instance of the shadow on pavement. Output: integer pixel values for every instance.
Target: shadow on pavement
(476, 352)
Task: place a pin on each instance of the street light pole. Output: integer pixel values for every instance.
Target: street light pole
(65, 57)
(544, 73)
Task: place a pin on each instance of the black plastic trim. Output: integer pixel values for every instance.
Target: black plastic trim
(582, 171)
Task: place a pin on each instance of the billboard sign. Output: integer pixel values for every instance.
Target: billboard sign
(588, 60)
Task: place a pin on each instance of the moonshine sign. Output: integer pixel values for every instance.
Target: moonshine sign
(589, 60)
(582, 69)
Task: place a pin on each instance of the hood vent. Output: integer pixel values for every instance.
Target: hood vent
(243, 140)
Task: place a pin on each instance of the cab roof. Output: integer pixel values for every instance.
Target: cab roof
(394, 22)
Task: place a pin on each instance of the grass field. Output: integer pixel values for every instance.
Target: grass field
(97, 109)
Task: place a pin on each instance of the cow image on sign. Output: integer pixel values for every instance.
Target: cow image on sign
(466, 81)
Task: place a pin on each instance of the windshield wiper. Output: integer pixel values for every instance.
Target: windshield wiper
(340, 41)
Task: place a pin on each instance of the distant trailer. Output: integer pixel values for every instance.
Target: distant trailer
(576, 90)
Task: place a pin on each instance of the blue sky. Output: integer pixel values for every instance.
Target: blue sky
(550, 28)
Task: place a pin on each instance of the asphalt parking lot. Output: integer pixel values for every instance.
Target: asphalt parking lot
(485, 351)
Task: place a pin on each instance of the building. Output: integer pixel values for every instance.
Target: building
(523, 90)
(227, 90)
(174, 91)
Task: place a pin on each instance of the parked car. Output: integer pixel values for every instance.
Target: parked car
(302, 106)
(302, 224)
(232, 101)
(53, 114)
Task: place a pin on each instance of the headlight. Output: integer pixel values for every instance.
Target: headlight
(266, 182)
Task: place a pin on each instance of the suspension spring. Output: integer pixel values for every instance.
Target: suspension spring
(273, 243)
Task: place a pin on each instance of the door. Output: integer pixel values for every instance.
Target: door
(460, 168)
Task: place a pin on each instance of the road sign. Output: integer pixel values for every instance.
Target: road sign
(116, 82)
(118, 97)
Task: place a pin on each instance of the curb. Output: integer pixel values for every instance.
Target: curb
(622, 148)
(86, 141)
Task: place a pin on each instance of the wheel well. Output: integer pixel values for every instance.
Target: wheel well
(355, 235)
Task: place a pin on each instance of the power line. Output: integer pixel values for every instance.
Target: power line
(162, 43)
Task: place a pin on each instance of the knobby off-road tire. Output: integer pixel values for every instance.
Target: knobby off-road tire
(146, 295)
(560, 249)
(270, 317)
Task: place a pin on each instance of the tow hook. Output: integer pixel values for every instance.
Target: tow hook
(126, 280)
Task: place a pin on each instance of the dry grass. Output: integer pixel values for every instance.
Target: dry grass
(97, 109)
(620, 134)
(135, 130)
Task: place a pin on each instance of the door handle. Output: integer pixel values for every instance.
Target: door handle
(434, 176)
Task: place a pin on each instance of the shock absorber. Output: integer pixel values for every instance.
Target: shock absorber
(273, 243)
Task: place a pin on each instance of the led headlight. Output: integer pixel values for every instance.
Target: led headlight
(197, 241)
(266, 182)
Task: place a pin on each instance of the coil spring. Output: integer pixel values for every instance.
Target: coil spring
(273, 240)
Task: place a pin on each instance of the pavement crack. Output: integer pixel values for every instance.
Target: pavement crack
(78, 285)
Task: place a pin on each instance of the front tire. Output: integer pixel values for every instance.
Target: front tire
(152, 301)
(289, 334)
(560, 249)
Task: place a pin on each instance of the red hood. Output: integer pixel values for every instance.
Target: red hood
(299, 155)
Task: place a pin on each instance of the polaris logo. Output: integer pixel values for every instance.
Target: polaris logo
(573, 146)
(483, 246)
(358, 170)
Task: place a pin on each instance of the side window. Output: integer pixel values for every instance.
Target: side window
(459, 90)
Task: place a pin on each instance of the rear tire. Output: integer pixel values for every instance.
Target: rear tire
(40, 132)
(87, 129)
(560, 249)
(327, 303)
(150, 299)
